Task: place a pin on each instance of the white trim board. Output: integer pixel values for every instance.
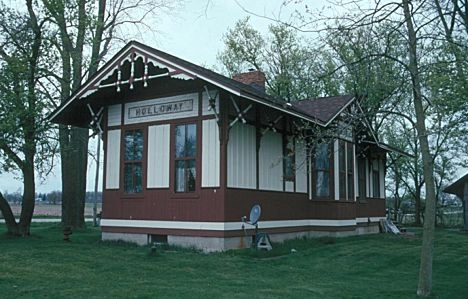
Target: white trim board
(230, 226)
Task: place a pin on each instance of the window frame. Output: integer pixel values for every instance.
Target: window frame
(346, 168)
(188, 161)
(289, 159)
(375, 172)
(329, 171)
(350, 172)
(135, 188)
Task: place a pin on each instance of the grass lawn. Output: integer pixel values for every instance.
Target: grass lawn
(376, 266)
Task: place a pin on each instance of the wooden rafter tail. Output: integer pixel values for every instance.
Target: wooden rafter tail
(132, 70)
(145, 75)
(119, 78)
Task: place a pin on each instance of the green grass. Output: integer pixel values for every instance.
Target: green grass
(377, 266)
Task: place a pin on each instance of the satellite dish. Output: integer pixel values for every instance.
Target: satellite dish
(255, 213)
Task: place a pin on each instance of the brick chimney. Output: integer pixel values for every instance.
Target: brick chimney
(254, 78)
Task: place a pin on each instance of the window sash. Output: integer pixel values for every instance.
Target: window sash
(322, 170)
(185, 158)
(133, 157)
(289, 168)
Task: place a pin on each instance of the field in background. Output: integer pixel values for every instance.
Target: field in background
(50, 210)
(445, 217)
(371, 266)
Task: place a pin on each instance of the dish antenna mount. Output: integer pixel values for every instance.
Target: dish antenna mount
(261, 240)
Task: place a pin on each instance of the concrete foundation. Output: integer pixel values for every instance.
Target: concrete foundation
(216, 244)
(140, 239)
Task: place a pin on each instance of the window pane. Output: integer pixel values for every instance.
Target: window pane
(376, 183)
(350, 187)
(321, 158)
(180, 141)
(341, 155)
(133, 178)
(180, 176)
(133, 145)
(128, 178)
(289, 167)
(191, 175)
(342, 184)
(191, 141)
(323, 183)
(138, 145)
(289, 160)
(138, 177)
(349, 156)
(128, 145)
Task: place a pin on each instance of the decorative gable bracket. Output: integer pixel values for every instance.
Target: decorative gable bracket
(112, 74)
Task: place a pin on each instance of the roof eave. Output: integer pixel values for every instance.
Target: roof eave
(229, 88)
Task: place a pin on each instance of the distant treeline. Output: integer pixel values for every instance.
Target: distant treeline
(54, 197)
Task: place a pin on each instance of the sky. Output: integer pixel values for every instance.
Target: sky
(194, 33)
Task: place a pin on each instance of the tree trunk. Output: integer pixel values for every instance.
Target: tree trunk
(27, 207)
(425, 270)
(74, 153)
(417, 206)
(22, 228)
(12, 226)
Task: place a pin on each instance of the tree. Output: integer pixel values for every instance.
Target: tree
(287, 62)
(413, 67)
(85, 31)
(436, 116)
(24, 144)
(81, 32)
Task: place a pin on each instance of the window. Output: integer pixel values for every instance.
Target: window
(350, 170)
(289, 160)
(133, 161)
(322, 170)
(346, 170)
(361, 177)
(375, 179)
(342, 167)
(185, 153)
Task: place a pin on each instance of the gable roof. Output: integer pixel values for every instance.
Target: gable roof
(320, 111)
(324, 109)
(458, 186)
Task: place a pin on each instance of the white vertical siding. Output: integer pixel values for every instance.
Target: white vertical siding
(271, 162)
(289, 186)
(113, 159)
(114, 115)
(301, 166)
(242, 159)
(158, 156)
(336, 165)
(210, 153)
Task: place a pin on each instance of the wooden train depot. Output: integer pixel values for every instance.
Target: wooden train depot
(188, 152)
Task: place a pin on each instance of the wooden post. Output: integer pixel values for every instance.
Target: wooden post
(96, 180)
